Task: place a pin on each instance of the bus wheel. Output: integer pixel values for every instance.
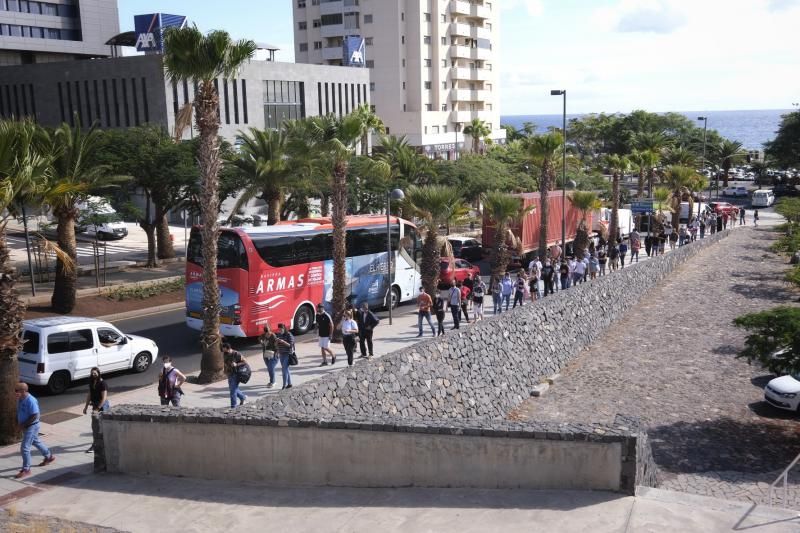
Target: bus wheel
(395, 298)
(303, 319)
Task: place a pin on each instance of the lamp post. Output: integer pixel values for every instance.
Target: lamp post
(396, 194)
(563, 92)
(705, 127)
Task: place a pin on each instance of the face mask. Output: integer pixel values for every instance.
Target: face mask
(167, 365)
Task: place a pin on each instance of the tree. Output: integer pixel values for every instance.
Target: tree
(191, 56)
(435, 205)
(617, 165)
(584, 201)
(785, 147)
(681, 181)
(477, 129)
(661, 197)
(475, 175)
(644, 161)
(75, 174)
(774, 341)
(543, 151)
(22, 171)
(727, 153)
(262, 161)
(503, 210)
(369, 122)
(408, 167)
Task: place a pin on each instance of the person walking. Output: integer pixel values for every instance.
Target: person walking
(725, 217)
(454, 301)
(635, 246)
(613, 255)
(438, 307)
(563, 274)
(424, 304)
(269, 352)
(466, 293)
(623, 252)
(703, 227)
(548, 277)
(285, 342)
(742, 220)
(170, 380)
(755, 218)
(673, 240)
(579, 273)
(507, 287)
(28, 421)
(97, 396)
(533, 283)
(519, 290)
(468, 284)
(602, 259)
(324, 324)
(594, 265)
(648, 244)
(349, 333)
(367, 321)
(478, 292)
(495, 290)
(233, 360)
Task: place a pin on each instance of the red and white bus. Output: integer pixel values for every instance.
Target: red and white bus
(277, 274)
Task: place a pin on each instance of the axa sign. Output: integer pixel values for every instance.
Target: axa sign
(354, 51)
(150, 30)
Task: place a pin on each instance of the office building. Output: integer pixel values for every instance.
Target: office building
(56, 30)
(433, 64)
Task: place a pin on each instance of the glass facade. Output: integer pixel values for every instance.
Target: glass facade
(283, 100)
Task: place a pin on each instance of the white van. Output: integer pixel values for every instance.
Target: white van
(58, 350)
(112, 226)
(763, 198)
(602, 218)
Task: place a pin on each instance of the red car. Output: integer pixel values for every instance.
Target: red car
(722, 207)
(456, 269)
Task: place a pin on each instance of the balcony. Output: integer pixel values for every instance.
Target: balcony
(468, 95)
(465, 30)
(471, 74)
(465, 117)
(469, 9)
(332, 30)
(465, 52)
(331, 8)
(332, 52)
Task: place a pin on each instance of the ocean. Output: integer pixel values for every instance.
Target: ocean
(751, 128)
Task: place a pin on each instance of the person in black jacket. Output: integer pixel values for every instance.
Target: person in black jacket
(366, 321)
(324, 324)
(438, 307)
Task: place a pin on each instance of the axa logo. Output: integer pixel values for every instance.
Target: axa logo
(356, 57)
(281, 283)
(145, 40)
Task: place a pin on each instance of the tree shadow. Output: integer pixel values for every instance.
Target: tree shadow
(727, 349)
(761, 381)
(764, 292)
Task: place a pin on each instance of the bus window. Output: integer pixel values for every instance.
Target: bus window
(410, 241)
(364, 241)
(230, 250)
(281, 251)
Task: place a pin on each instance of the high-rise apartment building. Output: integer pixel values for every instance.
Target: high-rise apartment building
(432, 62)
(56, 30)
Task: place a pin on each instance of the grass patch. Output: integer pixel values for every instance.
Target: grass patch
(142, 292)
(793, 276)
(788, 243)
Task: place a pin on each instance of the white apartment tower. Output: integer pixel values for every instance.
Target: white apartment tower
(432, 62)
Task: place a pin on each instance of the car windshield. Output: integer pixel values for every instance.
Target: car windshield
(455, 244)
(796, 376)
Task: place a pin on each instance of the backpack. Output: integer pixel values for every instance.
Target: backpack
(165, 389)
(371, 320)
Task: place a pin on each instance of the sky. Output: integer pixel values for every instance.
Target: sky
(609, 55)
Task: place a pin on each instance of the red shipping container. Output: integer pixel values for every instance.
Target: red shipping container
(529, 227)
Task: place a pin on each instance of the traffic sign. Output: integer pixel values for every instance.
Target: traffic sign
(642, 206)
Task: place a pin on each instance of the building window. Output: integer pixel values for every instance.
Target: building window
(332, 20)
(435, 129)
(444, 19)
(404, 63)
(428, 107)
(425, 130)
(370, 63)
(317, 45)
(303, 47)
(427, 62)
(427, 17)
(444, 107)
(427, 85)
(444, 41)
(444, 85)
(444, 63)
(316, 23)
(402, 39)
(368, 41)
(372, 86)
(426, 39)
(404, 107)
(444, 128)
(404, 86)
(283, 100)
(372, 108)
(301, 4)
(302, 25)
(367, 19)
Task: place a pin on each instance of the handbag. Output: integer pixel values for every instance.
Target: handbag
(243, 373)
(293, 358)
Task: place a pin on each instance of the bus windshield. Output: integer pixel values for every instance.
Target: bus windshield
(230, 250)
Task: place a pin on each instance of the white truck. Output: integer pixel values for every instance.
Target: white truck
(100, 219)
(601, 218)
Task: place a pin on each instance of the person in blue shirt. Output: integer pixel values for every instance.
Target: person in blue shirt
(28, 420)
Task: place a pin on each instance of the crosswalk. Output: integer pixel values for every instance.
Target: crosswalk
(85, 249)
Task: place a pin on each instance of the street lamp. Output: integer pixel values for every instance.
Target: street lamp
(396, 194)
(705, 127)
(563, 92)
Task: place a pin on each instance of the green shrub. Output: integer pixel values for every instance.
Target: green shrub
(141, 292)
(772, 330)
(793, 276)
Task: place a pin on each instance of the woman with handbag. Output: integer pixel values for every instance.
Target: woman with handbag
(269, 351)
(285, 342)
(349, 333)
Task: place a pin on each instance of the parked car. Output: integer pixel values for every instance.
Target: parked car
(466, 248)
(721, 207)
(735, 191)
(456, 269)
(784, 392)
(59, 350)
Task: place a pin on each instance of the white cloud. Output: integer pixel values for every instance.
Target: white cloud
(533, 7)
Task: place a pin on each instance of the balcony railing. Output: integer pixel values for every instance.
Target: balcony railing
(470, 95)
(470, 9)
(332, 30)
(465, 30)
(474, 74)
(466, 52)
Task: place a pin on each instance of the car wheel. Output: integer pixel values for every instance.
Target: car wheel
(59, 382)
(141, 362)
(303, 319)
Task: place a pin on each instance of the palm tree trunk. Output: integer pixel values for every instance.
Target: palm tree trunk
(365, 143)
(273, 208)
(166, 250)
(338, 220)
(12, 312)
(324, 204)
(640, 184)
(613, 224)
(544, 190)
(63, 299)
(501, 255)
(581, 241)
(206, 105)
(726, 167)
(431, 258)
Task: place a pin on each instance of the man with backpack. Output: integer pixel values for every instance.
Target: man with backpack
(169, 383)
(367, 321)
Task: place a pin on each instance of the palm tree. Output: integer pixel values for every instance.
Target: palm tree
(370, 122)
(679, 180)
(617, 165)
(726, 154)
(584, 201)
(543, 151)
(503, 210)
(661, 197)
(680, 155)
(75, 174)
(191, 56)
(263, 162)
(477, 129)
(22, 170)
(436, 205)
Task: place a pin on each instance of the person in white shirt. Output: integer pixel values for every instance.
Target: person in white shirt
(454, 300)
(578, 271)
(349, 335)
(535, 266)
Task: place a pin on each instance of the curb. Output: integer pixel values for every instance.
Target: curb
(99, 291)
(143, 312)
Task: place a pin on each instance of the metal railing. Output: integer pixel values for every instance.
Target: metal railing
(783, 477)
